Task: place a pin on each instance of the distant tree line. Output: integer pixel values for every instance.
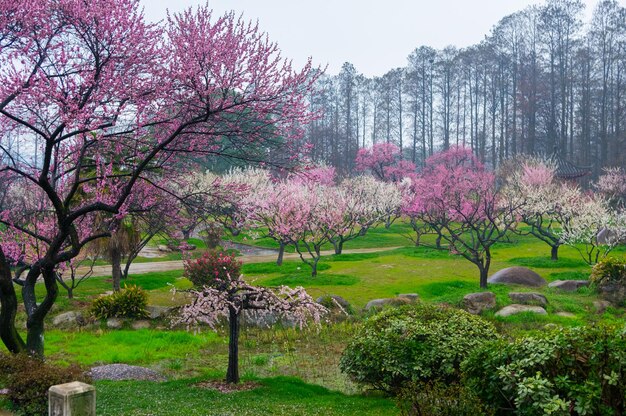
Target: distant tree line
(540, 81)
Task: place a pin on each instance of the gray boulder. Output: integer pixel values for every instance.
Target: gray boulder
(413, 297)
(124, 372)
(331, 301)
(613, 293)
(528, 298)
(516, 308)
(601, 305)
(568, 285)
(522, 276)
(475, 303)
(380, 303)
(115, 323)
(566, 314)
(141, 324)
(69, 319)
(157, 312)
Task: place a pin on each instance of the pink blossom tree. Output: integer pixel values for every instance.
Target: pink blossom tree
(384, 161)
(457, 194)
(226, 297)
(108, 102)
(612, 184)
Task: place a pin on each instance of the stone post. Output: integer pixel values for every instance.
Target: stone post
(72, 399)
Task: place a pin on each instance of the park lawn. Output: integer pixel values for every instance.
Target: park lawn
(274, 396)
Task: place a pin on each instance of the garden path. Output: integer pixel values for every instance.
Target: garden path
(162, 266)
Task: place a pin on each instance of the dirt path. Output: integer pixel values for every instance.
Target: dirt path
(163, 266)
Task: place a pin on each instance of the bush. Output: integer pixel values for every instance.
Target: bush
(419, 343)
(214, 269)
(609, 271)
(28, 380)
(130, 302)
(439, 399)
(568, 371)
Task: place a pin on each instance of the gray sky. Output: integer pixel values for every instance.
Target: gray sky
(374, 35)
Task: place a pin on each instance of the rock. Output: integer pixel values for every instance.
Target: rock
(142, 324)
(331, 301)
(115, 323)
(69, 319)
(601, 305)
(568, 285)
(516, 308)
(566, 314)
(517, 276)
(157, 312)
(613, 293)
(528, 298)
(4, 391)
(477, 302)
(163, 248)
(608, 236)
(380, 303)
(413, 297)
(259, 318)
(124, 372)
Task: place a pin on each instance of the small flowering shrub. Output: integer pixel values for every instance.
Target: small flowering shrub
(609, 271)
(130, 302)
(577, 371)
(214, 269)
(413, 343)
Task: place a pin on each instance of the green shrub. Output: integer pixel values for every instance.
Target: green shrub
(28, 380)
(576, 371)
(130, 302)
(214, 269)
(609, 271)
(439, 399)
(419, 342)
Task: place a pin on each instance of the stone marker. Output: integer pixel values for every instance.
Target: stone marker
(72, 399)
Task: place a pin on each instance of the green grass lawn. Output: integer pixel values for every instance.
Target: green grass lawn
(298, 370)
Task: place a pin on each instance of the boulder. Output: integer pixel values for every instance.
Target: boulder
(163, 248)
(477, 302)
(568, 285)
(157, 312)
(69, 319)
(528, 298)
(124, 372)
(413, 297)
(331, 302)
(115, 323)
(516, 308)
(601, 305)
(566, 314)
(613, 293)
(260, 318)
(380, 303)
(141, 324)
(522, 276)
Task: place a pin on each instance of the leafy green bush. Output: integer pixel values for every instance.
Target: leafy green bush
(130, 302)
(419, 342)
(418, 399)
(576, 371)
(28, 380)
(215, 269)
(609, 271)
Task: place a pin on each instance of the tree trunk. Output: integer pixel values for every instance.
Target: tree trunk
(37, 313)
(483, 276)
(8, 309)
(554, 253)
(281, 254)
(338, 246)
(116, 268)
(232, 374)
(314, 267)
(438, 241)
